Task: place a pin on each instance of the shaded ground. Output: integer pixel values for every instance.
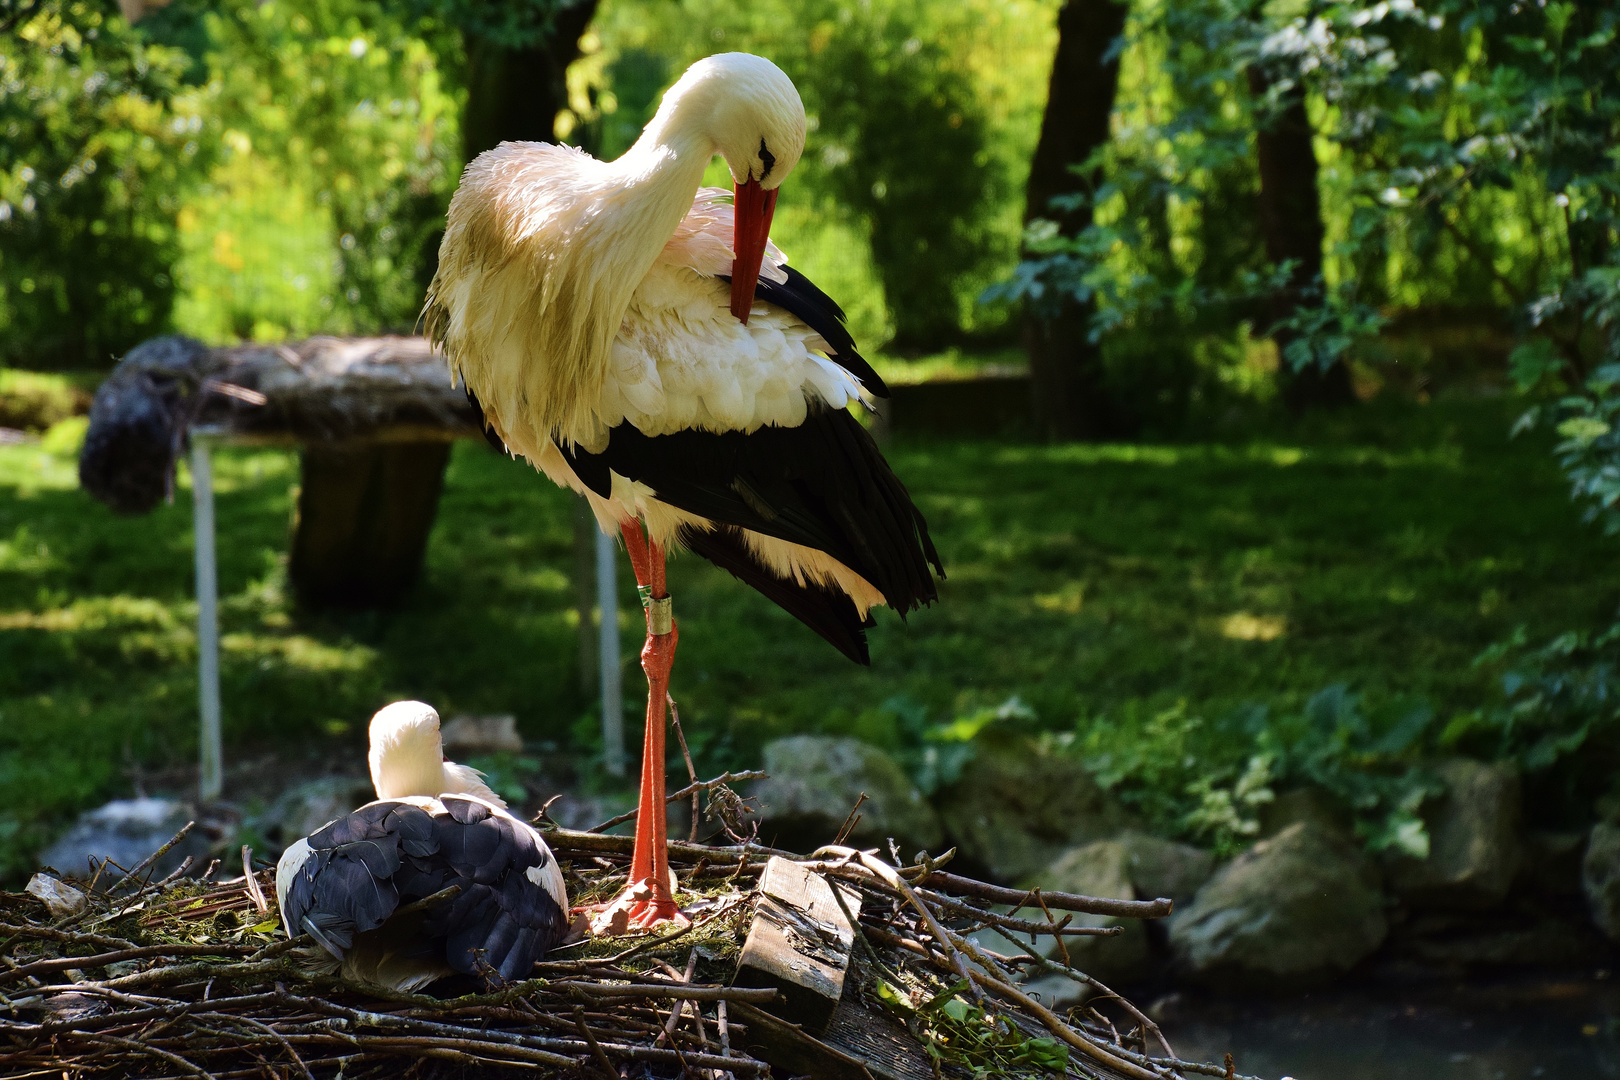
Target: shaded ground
(1383, 548)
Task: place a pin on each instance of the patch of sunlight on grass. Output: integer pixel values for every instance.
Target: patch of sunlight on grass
(300, 651)
(95, 613)
(25, 554)
(950, 365)
(33, 467)
(1242, 626)
(1066, 601)
(1167, 456)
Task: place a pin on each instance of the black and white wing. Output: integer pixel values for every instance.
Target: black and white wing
(343, 884)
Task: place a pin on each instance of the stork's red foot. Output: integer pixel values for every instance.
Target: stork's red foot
(637, 908)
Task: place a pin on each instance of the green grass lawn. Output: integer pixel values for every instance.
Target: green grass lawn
(1383, 548)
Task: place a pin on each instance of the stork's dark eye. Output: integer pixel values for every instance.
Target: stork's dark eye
(767, 161)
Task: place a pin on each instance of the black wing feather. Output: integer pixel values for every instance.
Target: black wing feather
(363, 866)
(822, 484)
(829, 612)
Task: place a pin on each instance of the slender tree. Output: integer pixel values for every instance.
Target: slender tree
(1290, 218)
(1069, 397)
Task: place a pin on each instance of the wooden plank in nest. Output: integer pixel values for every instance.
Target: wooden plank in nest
(799, 942)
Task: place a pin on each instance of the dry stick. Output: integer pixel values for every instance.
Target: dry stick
(860, 936)
(1076, 975)
(691, 773)
(155, 856)
(141, 1048)
(596, 1048)
(850, 821)
(255, 893)
(273, 1033)
(690, 790)
(1062, 948)
(680, 1005)
(62, 963)
(943, 965)
(1058, 929)
(928, 917)
(1089, 905)
(18, 932)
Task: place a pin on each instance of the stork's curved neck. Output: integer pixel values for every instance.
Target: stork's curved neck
(655, 181)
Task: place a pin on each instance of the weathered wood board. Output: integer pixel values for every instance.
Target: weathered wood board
(799, 942)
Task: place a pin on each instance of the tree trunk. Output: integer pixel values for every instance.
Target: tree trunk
(1068, 397)
(364, 514)
(1290, 212)
(516, 94)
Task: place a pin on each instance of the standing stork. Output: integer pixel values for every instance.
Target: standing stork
(641, 341)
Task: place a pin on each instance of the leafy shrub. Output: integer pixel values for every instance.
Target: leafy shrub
(98, 143)
(1209, 780)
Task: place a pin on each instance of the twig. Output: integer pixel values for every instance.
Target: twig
(850, 821)
(691, 790)
(253, 890)
(155, 856)
(691, 772)
(1089, 905)
(596, 1048)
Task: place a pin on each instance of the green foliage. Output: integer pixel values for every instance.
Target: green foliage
(956, 1032)
(98, 142)
(345, 103)
(1210, 781)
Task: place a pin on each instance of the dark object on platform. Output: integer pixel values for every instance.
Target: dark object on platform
(138, 423)
(373, 416)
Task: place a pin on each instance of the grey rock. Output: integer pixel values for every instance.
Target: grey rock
(1600, 878)
(1474, 840)
(125, 831)
(59, 898)
(816, 779)
(1551, 867)
(1304, 804)
(306, 807)
(1101, 868)
(1297, 908)
(1020, 805)
(1160, 867)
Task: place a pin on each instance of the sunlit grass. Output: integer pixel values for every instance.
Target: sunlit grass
(1384, 548)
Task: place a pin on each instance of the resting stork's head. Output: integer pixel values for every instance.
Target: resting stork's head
(407, 757)
(752, 115)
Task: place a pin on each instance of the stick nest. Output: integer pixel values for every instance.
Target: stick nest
(192, 977)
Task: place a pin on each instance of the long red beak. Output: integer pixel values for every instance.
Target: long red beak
(755, 206)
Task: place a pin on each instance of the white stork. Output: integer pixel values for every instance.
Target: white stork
(434, 824)
(642, 342)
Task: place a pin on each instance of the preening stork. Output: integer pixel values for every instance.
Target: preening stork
(642, 342)
(434, 824)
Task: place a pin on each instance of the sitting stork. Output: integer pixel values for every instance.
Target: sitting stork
(641, 341)
(435, 824)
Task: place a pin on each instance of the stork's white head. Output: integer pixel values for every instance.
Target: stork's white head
(407, 757)
(748, 108)
(751, 113)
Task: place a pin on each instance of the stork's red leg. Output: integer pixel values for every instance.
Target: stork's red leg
(648, 900)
